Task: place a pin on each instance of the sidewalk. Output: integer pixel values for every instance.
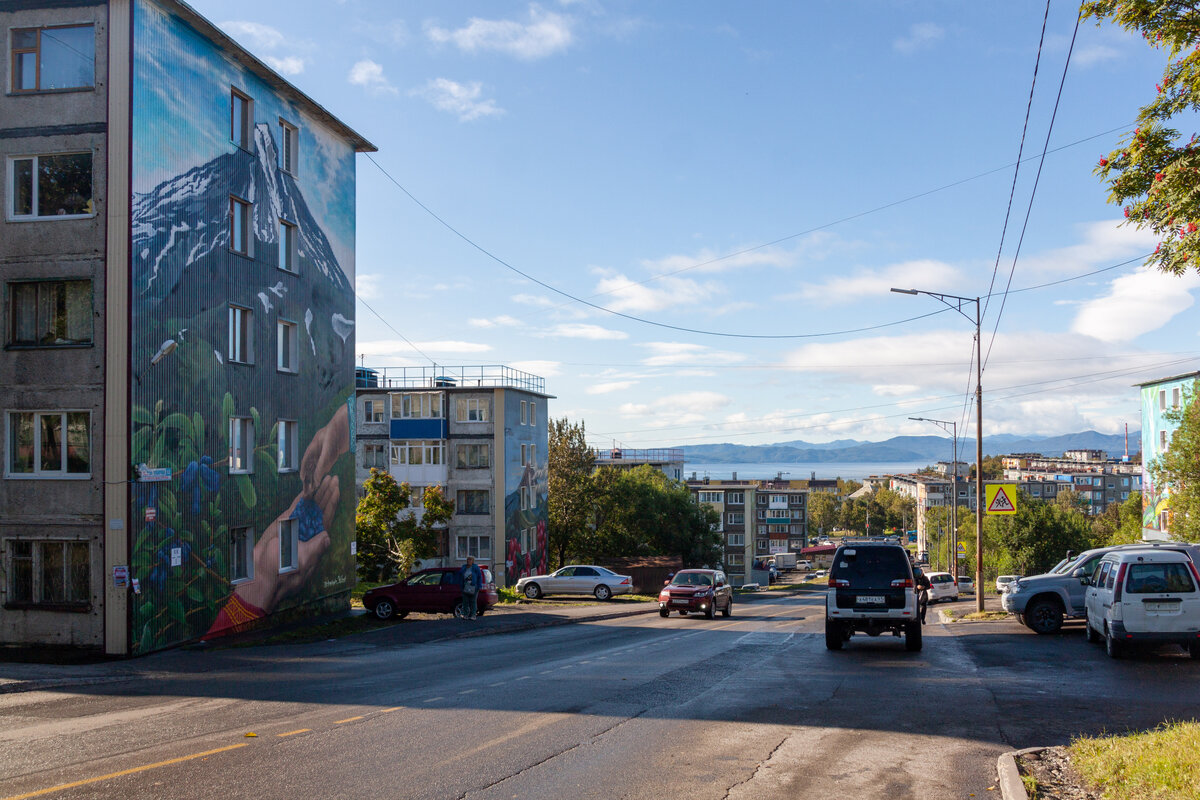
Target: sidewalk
(419, 629)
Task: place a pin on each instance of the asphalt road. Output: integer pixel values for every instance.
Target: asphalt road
(640, 707)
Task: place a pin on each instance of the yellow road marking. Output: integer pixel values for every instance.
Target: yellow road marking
(293, 733)
(390, 710)
(347, 719)
(130, 771)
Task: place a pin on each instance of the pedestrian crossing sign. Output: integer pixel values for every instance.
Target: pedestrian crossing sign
(1001, 498)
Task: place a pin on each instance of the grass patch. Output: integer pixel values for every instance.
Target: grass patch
(1031, 786)
(361, 588)
(1162, 764)
(983, 616)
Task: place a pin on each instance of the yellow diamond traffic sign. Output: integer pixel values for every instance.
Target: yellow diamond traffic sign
(1001, 498)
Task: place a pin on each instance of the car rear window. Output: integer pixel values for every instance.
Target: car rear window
(941, 579)
(1156, 578)
(871, 563)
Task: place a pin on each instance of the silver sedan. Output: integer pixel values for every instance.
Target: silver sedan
(577, 579)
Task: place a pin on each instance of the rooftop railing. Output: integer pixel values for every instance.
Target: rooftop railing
(440, 377)
(653, 455)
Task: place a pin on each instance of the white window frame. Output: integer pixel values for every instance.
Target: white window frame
(241, 445)
(39, 471)
(532, 413)
(524, 455)
(1162, 399)
(736, 559)
(432, 452)
(524, 412)
(736, 540)
(417, 405)
(289, 236)
(1175, 393)
(735, 498)
(473, 456)
(1162, 441)
(381, 451)
(472, 409)
(289, 147)
(369, 411)
(760, 545)
(470, 544)
(241, 335)
(241, 554)
(10, 185)
(288, 441)
(243, 135)
(711, 497)
(287, 347)
(737, 518)
(289, 545)
(241, 211)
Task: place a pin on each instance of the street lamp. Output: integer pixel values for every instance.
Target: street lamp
(953, 431)
(957, 305)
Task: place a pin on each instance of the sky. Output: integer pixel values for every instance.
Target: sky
(687, 216)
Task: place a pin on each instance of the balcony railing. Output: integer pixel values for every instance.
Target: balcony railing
(483, 376)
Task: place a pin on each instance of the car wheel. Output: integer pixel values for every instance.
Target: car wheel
(1089, 631)
(533, 591)
(460, 611)
(383, 609)
(834, 638)
(912, 637)
(711, 611)
(602, 592)
(1044, 616)
(1194, 650)
(1114, 648)
(728, 610)
(664, 613)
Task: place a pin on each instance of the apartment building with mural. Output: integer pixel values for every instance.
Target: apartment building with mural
(481, 434)
(1159, 397)
(177, 254)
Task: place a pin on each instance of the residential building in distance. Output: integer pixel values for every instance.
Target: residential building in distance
(478, 432)
(1158, 397)
(177, 253)
(667, 460)
(1097, 480)
(759, 518)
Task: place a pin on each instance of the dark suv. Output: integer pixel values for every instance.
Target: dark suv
(871, 590)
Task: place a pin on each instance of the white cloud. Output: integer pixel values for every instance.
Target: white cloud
(675, 353)
(1105, 243)
(534, 300)
(462, 99)
(608, 388)
(289, 65)
(399, 347)
(920, 36)
(502, 321)
(895, 389)
(543, 369)
(1136, 304)
(367, 285)
(254, 34)
(627, 295)
(545, 34)
(369, 74)
(686, 408)
(712, 261)
(871, 282)
(578, 330)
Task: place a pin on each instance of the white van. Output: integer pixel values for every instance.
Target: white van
(1144, 596)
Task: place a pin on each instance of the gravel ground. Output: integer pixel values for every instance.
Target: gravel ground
(1056, 778)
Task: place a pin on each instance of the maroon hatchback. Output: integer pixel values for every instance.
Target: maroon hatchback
(699, 591)
(437, 591)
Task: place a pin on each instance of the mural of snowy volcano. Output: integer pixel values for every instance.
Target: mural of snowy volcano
(243, 370)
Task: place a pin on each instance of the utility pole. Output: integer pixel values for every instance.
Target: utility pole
(957, 305)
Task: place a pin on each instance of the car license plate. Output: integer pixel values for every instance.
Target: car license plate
(870, 599)
(680, 602)
(1163, 608)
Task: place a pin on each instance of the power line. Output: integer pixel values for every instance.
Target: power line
(1033, 193)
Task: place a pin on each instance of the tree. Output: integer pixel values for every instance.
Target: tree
(389, 541)
(571, 463)
(822, 511)
(1178, 469)
(1034, 539)
(1120, 523)
(1152, 173)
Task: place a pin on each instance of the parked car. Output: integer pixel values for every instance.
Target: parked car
(700, 591)
(437, 590)
(871, 590)
(1043, 602)
(966, 584)
(577, 579)
(1002, 581)
(941, 587)
(1150, 596)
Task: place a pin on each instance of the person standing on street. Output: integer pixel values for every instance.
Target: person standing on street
(923, 584)
(472, 579)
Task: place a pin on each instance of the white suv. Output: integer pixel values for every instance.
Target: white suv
(1144, 596)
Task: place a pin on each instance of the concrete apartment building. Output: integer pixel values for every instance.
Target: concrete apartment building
(1096, 479)
(177, 258)
(480, 433)
(759, 518)
(1158, 397)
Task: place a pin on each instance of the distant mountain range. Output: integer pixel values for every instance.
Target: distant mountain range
(930, 449)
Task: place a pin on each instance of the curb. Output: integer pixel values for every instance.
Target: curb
(1011, 786)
